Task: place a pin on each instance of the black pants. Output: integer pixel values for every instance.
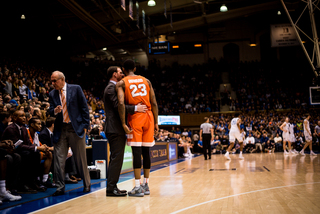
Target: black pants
(195, 147)
(30, 167)
(117, 145)
(13, 170)
(206, 138)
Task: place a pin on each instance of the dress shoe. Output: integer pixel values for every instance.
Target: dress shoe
(39, 187)
(87, 189)
(75, 178)
(58, 192)
(70, 181)
(116, 193)
(122, 191)
(26, 190)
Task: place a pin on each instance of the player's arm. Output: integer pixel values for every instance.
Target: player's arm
(281, 127)
(121, 106)
(200, 134)
(154, 106)
(212, 135)
(229, 126)
(238, 124)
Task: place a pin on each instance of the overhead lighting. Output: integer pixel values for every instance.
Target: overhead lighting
(279, 12)
(223, 8)
(303, 42)
(59, 38)
(151, 3)
(253, 45)
(175, 46)
(23, 17)
(198, 45)
(104, 49)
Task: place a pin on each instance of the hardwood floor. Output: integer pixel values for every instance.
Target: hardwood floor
(261, 183)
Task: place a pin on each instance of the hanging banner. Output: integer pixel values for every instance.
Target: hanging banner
(123, 4)
(144, 22)
(165, 8)
(283, 35)
(171, 15)
(137, 15)
(130, 9)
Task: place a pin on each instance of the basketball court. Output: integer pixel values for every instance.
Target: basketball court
(261, 183)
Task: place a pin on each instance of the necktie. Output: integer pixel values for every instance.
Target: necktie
(66, 118)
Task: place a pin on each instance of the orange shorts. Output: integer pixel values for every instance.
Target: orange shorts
(142, 125)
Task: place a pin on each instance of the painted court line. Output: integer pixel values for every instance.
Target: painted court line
(39, 210)
(230, 196)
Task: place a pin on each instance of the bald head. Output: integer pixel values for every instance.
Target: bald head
(58, 80)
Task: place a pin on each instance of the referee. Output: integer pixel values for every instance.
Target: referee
(206, 132)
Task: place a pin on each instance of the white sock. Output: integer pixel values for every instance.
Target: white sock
(227, 153)
(311, 151)
(3, 186)
(240, 153)
(302, 150)
(137, 182)
(45, 178)
(145, 181)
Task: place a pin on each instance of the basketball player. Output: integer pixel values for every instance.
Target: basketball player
(234, 134)
(307, 135)
(286, 136)
(292, 137)
(132, 90)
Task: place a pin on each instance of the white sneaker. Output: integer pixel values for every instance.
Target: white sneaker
(291, 152)
(185, 155)
(295, 151)
(313, 154)
(285, 152)
(241, 157)
(227, 156)
(9, 197)
(0, 202)
(301, 152)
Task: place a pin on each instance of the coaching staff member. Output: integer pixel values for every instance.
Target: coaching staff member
(69, 105)
(114, 130)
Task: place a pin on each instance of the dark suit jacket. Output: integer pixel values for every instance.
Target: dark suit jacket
(12, 133)
(77, 109)
(45, 138)
(110, 99)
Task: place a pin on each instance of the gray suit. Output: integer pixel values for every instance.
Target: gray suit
(115, 134)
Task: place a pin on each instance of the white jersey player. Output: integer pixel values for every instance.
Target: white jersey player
(286, 136)
(234, 134)
(307, 135)
(292, 137)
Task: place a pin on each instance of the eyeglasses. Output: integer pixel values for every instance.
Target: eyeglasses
(55, 80)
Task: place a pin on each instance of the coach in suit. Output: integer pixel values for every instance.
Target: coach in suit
(114, 131)
(69, 105)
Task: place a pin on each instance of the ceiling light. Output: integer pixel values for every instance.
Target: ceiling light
(253, 45)
(303, 42)
(223, 8)
(59, 38)
(151, 3)
(279, 12)
(104, 49)
(198, 45)
(175, 46)
(23, 17)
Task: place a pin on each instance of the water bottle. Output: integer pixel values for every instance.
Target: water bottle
(50, 177)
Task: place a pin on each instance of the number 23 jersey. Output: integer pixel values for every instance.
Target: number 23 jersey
(137, 91)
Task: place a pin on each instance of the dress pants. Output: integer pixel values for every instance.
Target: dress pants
(117, 145)
(206, 138)
(68, 138)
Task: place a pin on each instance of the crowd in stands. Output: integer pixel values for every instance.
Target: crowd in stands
(261, 133)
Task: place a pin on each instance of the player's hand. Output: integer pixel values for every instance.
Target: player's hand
(141, 108)
(127, 130)
(156, 128)
(58, 109)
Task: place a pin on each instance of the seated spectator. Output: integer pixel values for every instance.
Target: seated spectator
(250, 143)
(224, 143)
(269, 147)
(46, 155)
(6, 147)
(278, 142)
(5, 119)
(30, 153)
(185, 133)
(257, 140)
(216, 145)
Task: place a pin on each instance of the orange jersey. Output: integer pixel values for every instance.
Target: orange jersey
(137, 90)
